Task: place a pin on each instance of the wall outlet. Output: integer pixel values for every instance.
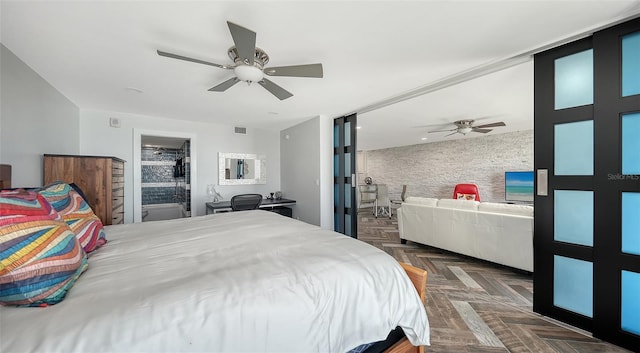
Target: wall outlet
(114, 122)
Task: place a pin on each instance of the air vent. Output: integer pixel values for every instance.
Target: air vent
(241, 130)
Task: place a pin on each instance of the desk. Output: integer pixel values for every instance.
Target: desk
(267, 204)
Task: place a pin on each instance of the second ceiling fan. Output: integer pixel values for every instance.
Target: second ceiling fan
(248, 64)
(466, 126)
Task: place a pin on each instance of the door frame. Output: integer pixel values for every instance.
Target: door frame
(137, 167)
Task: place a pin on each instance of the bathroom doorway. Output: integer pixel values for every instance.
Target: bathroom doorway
(163, 176)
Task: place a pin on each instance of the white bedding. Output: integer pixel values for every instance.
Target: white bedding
(250, 281)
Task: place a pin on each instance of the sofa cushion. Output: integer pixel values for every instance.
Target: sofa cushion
(458, 204)
(426, 201)
(504, 208)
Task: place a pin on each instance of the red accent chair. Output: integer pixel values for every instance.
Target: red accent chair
(466, 192)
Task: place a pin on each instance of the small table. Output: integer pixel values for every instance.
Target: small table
(267, 204)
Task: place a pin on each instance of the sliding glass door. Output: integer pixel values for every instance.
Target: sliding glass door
(587, 205)
(344, 172)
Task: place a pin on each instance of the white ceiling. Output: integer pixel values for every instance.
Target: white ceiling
(98, 54)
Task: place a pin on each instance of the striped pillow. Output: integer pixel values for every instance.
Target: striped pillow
(40, 257)
(76, 212)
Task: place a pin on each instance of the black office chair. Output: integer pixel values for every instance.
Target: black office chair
(245, 202)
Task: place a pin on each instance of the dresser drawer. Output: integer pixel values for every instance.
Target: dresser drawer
(116, 201)
(117, 218)
(117, 169)
(117, 192)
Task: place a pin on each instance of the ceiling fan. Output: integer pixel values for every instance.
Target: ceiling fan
(466, 126)
(248, 64)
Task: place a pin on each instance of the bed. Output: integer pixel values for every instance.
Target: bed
(250, 281)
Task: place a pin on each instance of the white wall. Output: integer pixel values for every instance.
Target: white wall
(433, 169)
(326, 172)
(306, 168)
(97, 138)
(35, 118)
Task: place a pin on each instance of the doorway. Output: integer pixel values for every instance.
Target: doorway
(164, 175)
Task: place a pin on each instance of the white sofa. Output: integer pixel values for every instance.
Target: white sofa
(496, 232)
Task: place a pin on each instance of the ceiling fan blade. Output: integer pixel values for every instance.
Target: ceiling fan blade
(484, 131)
(224, 85)
(442, 131)
(180, 57)
(310, 70)
(245, 41)
(491, 125)
(276, 90)
(453, 133)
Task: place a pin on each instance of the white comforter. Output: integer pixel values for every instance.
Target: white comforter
(250, 281)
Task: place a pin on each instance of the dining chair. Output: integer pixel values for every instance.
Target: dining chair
(383, 204)
(367, 195)
(403, 196)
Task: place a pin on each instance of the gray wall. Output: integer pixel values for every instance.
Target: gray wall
(433, 169)
(35, 118)
(306, 171)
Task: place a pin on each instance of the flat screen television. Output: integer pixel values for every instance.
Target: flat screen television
(518, 186)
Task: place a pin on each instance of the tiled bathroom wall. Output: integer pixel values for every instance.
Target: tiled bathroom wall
(184, 188)
(159, 185)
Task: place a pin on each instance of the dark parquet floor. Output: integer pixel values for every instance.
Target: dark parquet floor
(476, 306)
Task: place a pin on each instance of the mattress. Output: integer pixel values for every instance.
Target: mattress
(250, 281)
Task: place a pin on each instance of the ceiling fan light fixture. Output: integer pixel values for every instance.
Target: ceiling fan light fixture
(465, 130)
(248, 73)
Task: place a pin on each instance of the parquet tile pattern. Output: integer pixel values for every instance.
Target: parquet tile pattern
(476, 306)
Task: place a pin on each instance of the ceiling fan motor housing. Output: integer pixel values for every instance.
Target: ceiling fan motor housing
(464, 126)
(247, 72)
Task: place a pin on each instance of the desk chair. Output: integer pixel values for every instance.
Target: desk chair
(244, 202)
(466, 192)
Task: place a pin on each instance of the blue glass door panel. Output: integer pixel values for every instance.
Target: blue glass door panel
(631, 143)
(574, 80)
(573, 285)
(573, 144)
(631, 64)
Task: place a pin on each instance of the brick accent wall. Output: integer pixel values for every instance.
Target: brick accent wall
(432, 169)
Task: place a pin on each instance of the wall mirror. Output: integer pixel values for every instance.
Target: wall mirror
(241, 169)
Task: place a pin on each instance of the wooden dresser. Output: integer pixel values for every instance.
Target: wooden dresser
(100, 178)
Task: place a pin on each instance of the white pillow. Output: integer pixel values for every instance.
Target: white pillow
(461, 196)
(504, 208)
(459, 204)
